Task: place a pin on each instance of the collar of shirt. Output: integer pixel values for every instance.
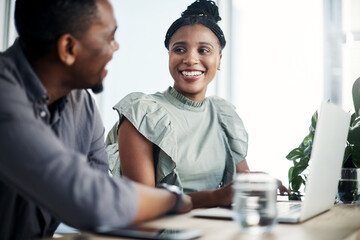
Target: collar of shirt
(35, 90)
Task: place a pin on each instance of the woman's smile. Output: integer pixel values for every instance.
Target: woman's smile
(194, 57)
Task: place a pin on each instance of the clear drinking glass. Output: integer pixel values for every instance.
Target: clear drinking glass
(255, 202)
(348, 188)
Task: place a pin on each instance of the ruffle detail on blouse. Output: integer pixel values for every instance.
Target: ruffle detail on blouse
(153, 122)
(235, 134)
(233, 127)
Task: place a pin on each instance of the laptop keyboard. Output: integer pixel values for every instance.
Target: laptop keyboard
(288, 209)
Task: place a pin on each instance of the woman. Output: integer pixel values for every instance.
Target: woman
(180, 136)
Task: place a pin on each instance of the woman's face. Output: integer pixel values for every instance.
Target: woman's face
(194, 57)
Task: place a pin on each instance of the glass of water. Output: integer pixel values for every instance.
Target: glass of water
(255, 202)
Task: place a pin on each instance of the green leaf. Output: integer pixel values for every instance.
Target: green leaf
(296, 183)
(347, 154)
(353, 120)
(290, 175)
(308, 147)
(301, 166)
(354, 134)
(355, 156)
(356, 120)
(356, 96)
(314, 119)
(295, 154)
(306, 140)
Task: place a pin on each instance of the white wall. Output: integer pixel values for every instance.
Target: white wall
(351, 48)
(279, 76)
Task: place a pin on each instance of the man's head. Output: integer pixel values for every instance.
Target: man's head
(40, 23)
(80, 33)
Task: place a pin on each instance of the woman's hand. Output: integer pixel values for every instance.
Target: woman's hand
(283, 189)
(224, 195)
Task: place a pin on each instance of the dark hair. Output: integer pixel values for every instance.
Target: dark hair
(40, 23)
(199, 12)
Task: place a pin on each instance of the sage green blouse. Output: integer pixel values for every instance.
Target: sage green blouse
(196, 144)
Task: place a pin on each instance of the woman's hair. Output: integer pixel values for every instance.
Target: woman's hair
(199, 12)
(40, 23)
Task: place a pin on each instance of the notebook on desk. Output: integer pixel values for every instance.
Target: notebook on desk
(326, 160)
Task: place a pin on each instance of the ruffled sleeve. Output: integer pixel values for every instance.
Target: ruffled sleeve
(233, 127)
(236, 137)
(151, 120)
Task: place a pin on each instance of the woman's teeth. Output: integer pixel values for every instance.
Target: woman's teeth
(191, 74)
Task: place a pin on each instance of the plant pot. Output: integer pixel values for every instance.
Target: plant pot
(348, 188)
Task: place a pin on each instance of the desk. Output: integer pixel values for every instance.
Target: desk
(340, 222)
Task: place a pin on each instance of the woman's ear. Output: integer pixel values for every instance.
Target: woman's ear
(218, 67)
(67, 47)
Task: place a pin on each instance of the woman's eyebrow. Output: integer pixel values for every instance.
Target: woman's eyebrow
(200, 43)
(206, 43)
(179, 43)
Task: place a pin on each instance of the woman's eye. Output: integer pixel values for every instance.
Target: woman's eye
(204, 50)
(179, 50)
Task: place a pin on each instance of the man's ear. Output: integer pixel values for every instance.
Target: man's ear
(67, 47)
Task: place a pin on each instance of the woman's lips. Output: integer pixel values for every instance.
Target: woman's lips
(191, 75)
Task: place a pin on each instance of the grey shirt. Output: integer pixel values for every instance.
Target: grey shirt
(196, 144)
(53, 164)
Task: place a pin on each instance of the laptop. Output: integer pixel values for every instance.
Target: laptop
(326, 160)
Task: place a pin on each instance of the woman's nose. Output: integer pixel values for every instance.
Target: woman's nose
(191, 58)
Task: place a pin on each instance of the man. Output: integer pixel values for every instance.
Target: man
(53, 164)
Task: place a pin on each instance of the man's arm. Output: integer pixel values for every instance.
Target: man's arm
(160, 197)
(35, 163)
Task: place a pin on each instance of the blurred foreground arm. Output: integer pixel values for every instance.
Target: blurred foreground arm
(154, 202)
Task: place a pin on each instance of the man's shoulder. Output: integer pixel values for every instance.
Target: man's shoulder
(11, 84)
(8, 70)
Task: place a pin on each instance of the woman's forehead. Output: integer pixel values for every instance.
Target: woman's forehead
(194, 33)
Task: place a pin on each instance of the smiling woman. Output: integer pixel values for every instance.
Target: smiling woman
(179, 136)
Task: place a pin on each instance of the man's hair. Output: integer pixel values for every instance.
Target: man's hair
(40, 23)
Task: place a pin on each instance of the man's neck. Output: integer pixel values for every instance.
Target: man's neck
(51, 75)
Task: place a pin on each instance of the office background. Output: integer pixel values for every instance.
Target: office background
(283, 57)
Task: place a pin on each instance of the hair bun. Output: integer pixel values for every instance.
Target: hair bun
(208, 8)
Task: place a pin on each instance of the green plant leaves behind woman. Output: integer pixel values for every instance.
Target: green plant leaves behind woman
(356, 96)
(354, 131)
(300, 156)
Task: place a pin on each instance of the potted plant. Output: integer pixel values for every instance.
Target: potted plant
(300, 156)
